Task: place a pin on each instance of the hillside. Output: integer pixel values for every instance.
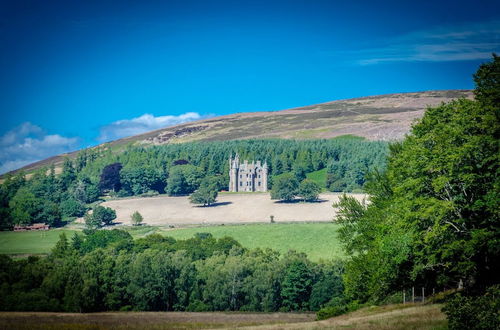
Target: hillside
(382, 117)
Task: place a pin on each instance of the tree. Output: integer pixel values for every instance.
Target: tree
(110, 177)
(205, 195)
(139, 180)
(299, 170)
(68, 174)
(309, 190)
(433, 216)
(296, 286)
(99, 217)
(183, 179)
(25, 206)
(70, 207)
(136, 218)
(285, 187)
(487, 79)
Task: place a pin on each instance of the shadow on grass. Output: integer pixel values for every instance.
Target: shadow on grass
(215, 204)
(296, 201)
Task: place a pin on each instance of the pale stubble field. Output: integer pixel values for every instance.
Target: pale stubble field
(230, 208)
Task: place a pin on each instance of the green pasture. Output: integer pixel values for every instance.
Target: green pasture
(30, 242)
(317, 240)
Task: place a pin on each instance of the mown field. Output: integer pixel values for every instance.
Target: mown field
(317, 240)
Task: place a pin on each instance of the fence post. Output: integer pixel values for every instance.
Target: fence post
(404, 297)
(412, 294)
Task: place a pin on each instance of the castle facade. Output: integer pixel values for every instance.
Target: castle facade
(247, 176)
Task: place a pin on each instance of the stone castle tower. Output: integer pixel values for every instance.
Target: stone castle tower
(247, 176)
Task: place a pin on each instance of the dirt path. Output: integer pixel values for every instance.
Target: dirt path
(230, 208)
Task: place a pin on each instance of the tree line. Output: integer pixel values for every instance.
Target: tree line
(433, 216)
(106, 270)
(177, 169)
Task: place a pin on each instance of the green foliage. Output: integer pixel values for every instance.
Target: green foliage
(330, 311)
(183, 179)
(139, 180)
(84, 191)
(474, 312)
(433, 214)
(104, 238)
(100, 216)
(25, 206)
(309, 190)
(487, 79)
(136, 218)
(72, 208)
(285, 187)
(296, 286)
(338, 308)
(206, 194)
(348, 169)
(319, 177)
(107, 270)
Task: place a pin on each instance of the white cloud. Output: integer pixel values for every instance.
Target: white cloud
(142, 124)
(444, 44)
(28, 143)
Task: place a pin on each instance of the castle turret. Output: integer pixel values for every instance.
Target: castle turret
(247, 176)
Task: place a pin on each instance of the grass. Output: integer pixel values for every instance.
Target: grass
(409, 316)
(317, 240)
(319, 177)
(146, 320)
(31, 242)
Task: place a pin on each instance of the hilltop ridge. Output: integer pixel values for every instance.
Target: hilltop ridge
(380, 117)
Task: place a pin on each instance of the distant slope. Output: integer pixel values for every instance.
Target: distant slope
(383, 117)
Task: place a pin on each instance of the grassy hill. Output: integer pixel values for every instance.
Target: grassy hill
(382, 117)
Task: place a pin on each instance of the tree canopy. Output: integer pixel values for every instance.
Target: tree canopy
(433, 216)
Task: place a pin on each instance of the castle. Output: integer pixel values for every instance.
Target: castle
(247, 176)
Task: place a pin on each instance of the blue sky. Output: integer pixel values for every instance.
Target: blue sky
(78, 73)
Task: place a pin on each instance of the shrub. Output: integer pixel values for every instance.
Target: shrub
(136, 218)
(330, 311)
(474, 312)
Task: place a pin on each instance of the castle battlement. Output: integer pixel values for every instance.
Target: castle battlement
(247, 176)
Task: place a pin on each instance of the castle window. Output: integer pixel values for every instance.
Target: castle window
(259, 176)
(259, 183)
(241, 183)
(240, 176)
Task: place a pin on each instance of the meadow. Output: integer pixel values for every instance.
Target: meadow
(317, 240)
(30, 242)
